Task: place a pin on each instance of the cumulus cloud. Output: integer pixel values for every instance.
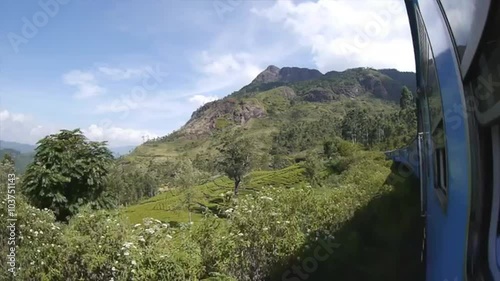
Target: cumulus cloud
(224, 71)
(85, 82)
(116, 135)
(21, 128)
(5, 115)
(346, 34)
(201, 99)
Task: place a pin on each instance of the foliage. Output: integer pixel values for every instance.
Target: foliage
(312, 167)
(266, 232)
(68, 172)
(186, 177)
(406, 99)
(235, 158)
(127, 184)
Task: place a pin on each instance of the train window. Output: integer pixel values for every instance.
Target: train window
(432, 109)
(460, 16)
(433, 94)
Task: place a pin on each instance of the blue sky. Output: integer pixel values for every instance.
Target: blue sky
(121, 70)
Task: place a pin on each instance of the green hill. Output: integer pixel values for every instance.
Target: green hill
(21, 160)
(280, 99)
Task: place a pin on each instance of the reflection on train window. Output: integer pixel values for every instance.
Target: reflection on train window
(433, 94)
(433, 113)
(460, 16)
(485, 72)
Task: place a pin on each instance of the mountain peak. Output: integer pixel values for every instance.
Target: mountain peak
(286, 74)
(270, 74)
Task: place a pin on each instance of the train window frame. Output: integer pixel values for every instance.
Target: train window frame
(438, 159)
(438, 135)
(494, 234)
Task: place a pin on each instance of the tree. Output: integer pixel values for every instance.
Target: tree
(312, 168)
(186, 177)
(329, 148)
(406, 99)
(68, 171)
(7, 159)
(235, 158)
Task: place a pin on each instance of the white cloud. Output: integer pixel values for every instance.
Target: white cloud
(22, 128)
(201, 99)
(225, 72)
(116, 135)
(346, 34)
(85, 82)
(6, 116)
(122, 74)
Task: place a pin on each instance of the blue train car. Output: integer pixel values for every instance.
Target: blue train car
(456, 153)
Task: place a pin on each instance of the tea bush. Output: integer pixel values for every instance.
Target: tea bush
(264, 233)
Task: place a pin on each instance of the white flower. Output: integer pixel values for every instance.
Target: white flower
(137, 225)
(38, 251)
(126, 253)
(133, 270)
(265, 228)
(128, 244)
(150, 230)
(133, 262)
(113, 268)
(240, 234)
(287, 222)
(267, 198)
(169, 237)
(142, 239)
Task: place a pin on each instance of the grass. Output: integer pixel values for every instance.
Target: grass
(168, 206)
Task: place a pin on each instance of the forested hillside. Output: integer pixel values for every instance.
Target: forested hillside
(293, 110)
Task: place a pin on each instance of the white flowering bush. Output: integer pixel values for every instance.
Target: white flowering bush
(261, 233)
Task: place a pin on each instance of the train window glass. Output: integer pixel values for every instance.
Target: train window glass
(485, 74)
(460, 16)
(433, 94)
(424, 52)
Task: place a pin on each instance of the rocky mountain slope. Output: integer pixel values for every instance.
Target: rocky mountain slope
(278, 96)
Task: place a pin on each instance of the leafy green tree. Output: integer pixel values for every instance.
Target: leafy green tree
(329, 148)
(406, 99)
(68, 172)
(187, 177)
(312, 168)
(235, 158)
(7, 159)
